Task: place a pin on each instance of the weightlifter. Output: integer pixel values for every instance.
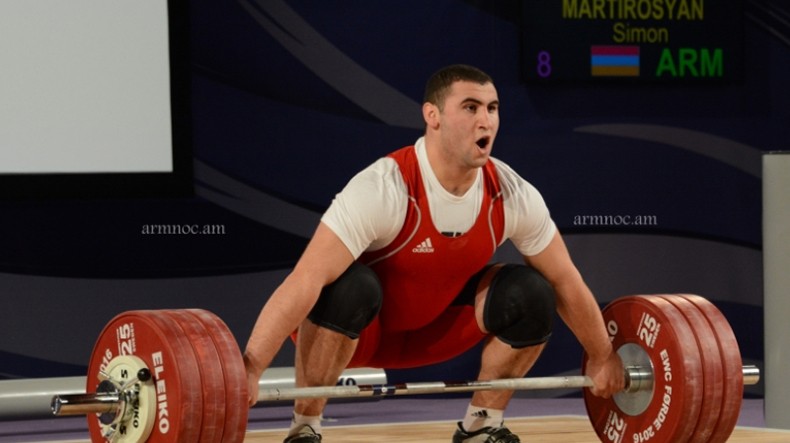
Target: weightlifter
(398, 272)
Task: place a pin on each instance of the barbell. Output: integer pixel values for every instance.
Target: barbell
(178, 375)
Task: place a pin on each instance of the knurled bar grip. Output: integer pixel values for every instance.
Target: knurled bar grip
(275, 394)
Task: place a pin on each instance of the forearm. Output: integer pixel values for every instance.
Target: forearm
(280, 316)
(324, 259)
(579, 310)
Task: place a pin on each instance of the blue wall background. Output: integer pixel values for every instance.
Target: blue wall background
(291, 98)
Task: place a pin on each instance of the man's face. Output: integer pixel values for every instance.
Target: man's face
(469, 123)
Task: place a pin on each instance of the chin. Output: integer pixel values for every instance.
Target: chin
(479, 162)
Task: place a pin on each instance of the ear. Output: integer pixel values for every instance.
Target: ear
(430, 113)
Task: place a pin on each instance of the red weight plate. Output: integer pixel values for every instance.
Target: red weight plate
(237, 408)
(211, 375)
(173, 367)
(193, 399)
(663, 334)
(713, 377)
(732, 365)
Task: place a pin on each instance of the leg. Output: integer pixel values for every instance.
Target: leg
(500, 360)
(327, 339)
(515, 306)
(321, 357)
(485, 415)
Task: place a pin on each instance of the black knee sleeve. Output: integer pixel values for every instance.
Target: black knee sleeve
(349, 303)
(519, 307)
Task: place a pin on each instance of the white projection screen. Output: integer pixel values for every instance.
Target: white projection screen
(93, 98)
(776, 303)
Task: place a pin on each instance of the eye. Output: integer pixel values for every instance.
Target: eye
(471, 107)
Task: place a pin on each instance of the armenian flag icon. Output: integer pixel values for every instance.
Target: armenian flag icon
(614, 61)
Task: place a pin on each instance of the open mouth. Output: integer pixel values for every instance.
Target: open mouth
(482, 142)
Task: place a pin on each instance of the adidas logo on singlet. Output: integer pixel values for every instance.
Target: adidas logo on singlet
(426, 247)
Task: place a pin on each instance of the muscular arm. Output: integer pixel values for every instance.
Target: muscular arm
(579, 310)
(324, 259)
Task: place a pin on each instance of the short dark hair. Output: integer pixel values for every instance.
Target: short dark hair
(439, 84)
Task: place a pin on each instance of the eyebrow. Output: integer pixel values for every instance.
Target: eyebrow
(479, 102)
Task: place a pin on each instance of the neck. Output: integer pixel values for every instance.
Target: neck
(454, 177)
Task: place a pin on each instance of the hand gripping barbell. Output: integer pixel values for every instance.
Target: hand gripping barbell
(178, 375)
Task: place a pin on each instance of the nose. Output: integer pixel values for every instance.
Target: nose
(487, 119)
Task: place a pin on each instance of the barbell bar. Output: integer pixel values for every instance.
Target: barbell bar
(638, 379)
(167, 376)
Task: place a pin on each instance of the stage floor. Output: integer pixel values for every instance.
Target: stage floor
(422, 419)
(564, 429)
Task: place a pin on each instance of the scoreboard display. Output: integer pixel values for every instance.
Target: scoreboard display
(622, 40)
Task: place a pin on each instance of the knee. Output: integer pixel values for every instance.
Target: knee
(350, 303)
(520, 306)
